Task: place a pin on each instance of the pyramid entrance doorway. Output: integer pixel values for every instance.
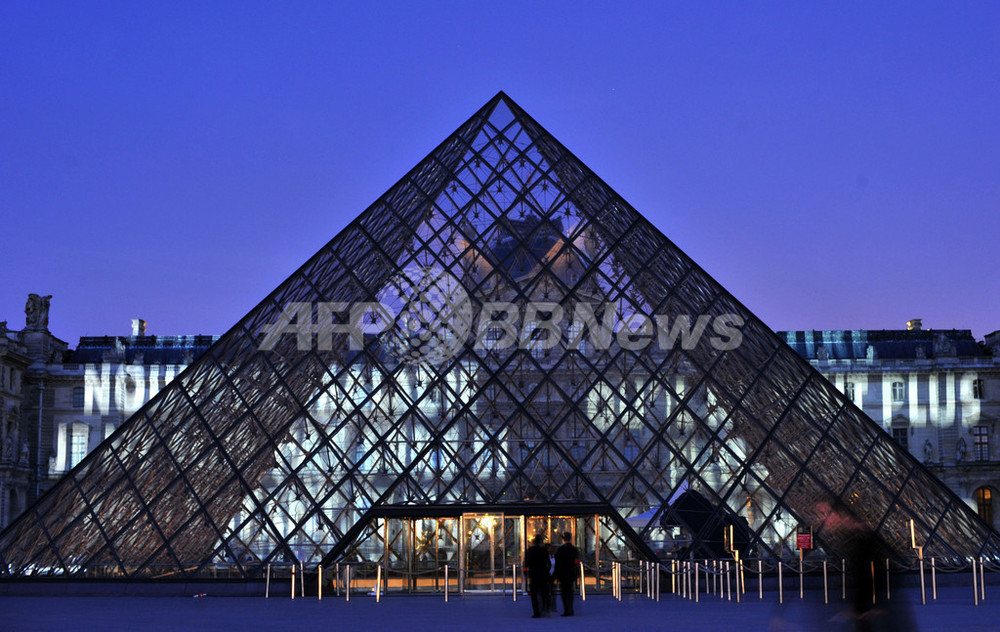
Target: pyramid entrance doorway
(482, 546)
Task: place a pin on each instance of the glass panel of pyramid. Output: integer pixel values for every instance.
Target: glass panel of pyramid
(500, 329)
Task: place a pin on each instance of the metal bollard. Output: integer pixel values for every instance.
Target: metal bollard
(801, 579)
(760, 579)
(657, 582)
(302, 578)
(923, 588)
(933, 580)
(583, 585)
(319, 581)
(378, 583)
(781, 584)
(513, 581)
(843, 579)
(975, 588)
(446, 583)
(293, 581)
(696, 582)
(729, 586)
(982, 580)
(267, 583)
(826, 592)
(347, 581)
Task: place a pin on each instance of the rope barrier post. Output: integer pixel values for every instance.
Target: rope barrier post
(843, 579)
(933, 580)
(923, 587)
(736, 576)
(696, 582)
(649, 579)
(781, 584)
(729, 585)
(653, 568)
(692, 575)
(446, 583)
(347, 581)
(687, 580)
(826, 592)
(513, 581)
(760, 579)
(801, 596)
(319, 581)
(378, 583)
(293, 581)
(874, 587)
(616, 580)
(583, 585)
(982, 580)
(673, 577)
(657, 582)
(741, 583)
(267, 583)
(302, 579)
(336, 577)
(975, 588)
(648, 568)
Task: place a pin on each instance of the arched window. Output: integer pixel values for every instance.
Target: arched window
(984, 504)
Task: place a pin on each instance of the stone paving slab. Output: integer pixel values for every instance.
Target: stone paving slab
(953, 612)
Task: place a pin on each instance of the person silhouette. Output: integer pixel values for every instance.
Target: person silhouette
(866, 555)
(567, 558)
(536, 567)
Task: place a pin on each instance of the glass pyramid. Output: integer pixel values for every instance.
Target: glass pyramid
(498, 333)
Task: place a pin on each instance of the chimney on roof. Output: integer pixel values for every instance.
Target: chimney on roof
(913, 324)
(138, 327)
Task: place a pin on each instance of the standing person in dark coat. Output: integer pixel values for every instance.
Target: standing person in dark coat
(536, 567)
(567, 558)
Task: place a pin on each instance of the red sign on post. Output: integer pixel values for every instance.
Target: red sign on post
(804, 539)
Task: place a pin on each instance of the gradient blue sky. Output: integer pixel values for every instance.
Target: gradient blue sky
(834, 166)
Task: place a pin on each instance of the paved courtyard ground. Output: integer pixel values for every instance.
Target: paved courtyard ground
(953, 612)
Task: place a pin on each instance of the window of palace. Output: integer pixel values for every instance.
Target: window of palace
(984, 504)
(981, 443)
(78, 443)
(849, 390)
(897, 391)
(978, 388)
(899, 435)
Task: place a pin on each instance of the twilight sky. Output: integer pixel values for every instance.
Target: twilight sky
(833, 166)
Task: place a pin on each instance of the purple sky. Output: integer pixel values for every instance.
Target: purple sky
(833, 167)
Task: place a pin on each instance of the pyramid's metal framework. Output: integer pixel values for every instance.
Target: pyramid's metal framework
(498, 374)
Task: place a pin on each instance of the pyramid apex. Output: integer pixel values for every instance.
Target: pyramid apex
(503, 96)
